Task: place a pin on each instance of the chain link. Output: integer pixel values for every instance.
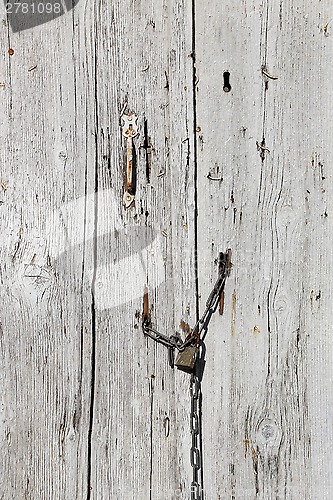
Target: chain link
(215, 294)
(195, 491)
(174, 342)
(195, 456)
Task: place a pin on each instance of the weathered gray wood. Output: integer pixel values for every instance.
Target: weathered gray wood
(266, 399)
(46, 159)
(89, 407)
(144, 55)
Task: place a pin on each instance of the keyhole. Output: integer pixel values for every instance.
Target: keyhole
(226, 81)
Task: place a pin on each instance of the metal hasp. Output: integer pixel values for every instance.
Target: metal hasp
(130, 130)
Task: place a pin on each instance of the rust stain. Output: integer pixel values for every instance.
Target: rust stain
(221, 305)
(185, 327)
(233, 312)
(145, 315)
(3, 186)
(11, 52)
(256, 330)
(254, 453)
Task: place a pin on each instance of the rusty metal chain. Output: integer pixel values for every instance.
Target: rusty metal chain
(174, 341)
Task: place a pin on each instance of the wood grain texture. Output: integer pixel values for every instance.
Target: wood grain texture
(89, 407)
(138, 439)
(267, 405)
(45, 296)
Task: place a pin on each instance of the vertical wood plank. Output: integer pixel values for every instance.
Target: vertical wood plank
(46, 258)
(229, 124)
(303, 212)
(262, 401)
(101, 412)
(140, 406)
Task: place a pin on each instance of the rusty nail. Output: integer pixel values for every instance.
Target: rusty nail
(145, 315)
(221, 308)
(265, 72)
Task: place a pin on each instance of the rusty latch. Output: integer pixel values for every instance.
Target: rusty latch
(130, 130)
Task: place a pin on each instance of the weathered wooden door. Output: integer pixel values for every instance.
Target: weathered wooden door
(234, 114)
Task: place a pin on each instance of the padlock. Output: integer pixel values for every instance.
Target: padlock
(186, 359)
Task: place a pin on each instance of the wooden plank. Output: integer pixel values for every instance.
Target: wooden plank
(47, 154)
(229, 124)
(90, 407)
(305, 207)
(266, 400)
(140, 406)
